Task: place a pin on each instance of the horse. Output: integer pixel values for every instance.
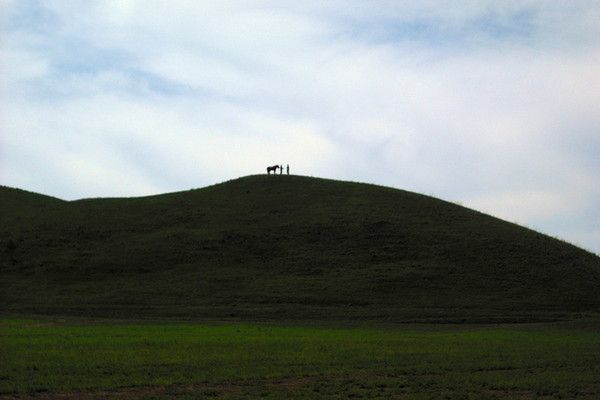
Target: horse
(273, 168)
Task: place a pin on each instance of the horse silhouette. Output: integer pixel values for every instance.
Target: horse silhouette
(273, 168)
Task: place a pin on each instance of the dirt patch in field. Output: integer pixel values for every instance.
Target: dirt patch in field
(199, 390)
(304, 387)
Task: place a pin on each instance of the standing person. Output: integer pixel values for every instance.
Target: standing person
(287, 169)
(281, 170)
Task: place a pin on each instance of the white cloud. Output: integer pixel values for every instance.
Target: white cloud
(492, 104)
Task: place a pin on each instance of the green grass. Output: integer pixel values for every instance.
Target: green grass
(268, 270)
(166, 360)
(285, 248)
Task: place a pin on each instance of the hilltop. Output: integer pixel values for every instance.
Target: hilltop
(285, 248)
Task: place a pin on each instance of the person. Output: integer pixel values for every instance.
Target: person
(287, 169)
(281, 170)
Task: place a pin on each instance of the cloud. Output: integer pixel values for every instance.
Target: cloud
(491, 104)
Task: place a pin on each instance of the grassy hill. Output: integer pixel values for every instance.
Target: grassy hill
(285, 248)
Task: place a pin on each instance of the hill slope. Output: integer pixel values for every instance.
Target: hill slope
(17, 203)
(286, 248)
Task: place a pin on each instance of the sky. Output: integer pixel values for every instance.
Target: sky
(494, 105)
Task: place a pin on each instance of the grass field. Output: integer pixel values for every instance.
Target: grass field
(316, 284)
(45, 358)
(284, 248)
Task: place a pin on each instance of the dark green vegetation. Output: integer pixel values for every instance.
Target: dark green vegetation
(297, 251)
(284, 248)
(188, 361)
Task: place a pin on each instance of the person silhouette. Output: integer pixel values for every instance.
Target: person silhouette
(281, 170)
(287, 169)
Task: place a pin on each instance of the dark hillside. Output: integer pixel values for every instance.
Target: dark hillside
(17, 203)
(286, 248)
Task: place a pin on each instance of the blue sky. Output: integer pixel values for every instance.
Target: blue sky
(495, 105)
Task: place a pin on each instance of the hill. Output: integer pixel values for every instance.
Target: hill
(17, 203)
(285, 248)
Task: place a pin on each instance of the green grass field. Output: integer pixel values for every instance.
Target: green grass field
(75, 359)
(316, 286)
(285, 248)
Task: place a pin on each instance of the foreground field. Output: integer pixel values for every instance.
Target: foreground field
(49, 359)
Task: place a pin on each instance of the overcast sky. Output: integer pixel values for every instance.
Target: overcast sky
(493, 104)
